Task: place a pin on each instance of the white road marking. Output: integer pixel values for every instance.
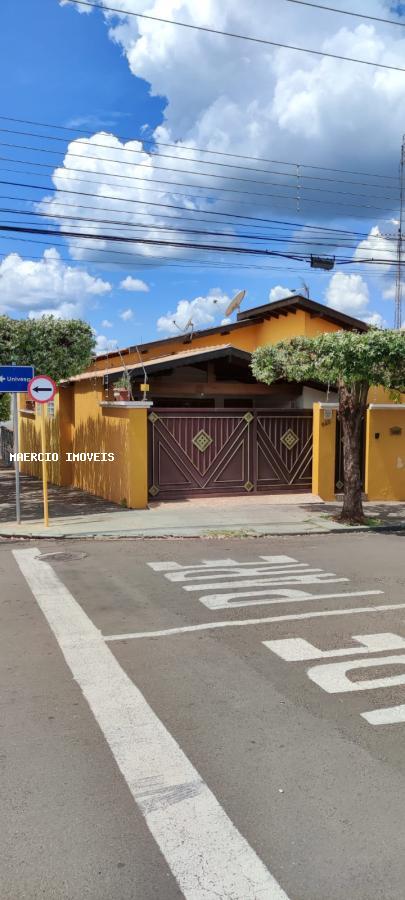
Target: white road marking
(324, 578)
(331, 677)
(298, 649)
(276, 597)
(241, 572)
(392, 715)
(185, 629)
(206, 853)
(216, 563)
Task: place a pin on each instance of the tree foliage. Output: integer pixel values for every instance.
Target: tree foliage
(342, 358)
(351, 362)
(4, 407)
(56, 347)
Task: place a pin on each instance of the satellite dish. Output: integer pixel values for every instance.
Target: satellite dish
(183, 328)
(235, 303)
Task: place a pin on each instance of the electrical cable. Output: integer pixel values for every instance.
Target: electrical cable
(278, 197)
(99, 158)
(192, 174)
(347, 12)
(156, 143)
(242, 37)
(177, 245)
(268, 222)
(319, 242)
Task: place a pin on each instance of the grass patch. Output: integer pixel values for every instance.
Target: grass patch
(230, 532)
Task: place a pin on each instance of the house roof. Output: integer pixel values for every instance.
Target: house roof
(297, 301)
(254, 316)
(169, 361)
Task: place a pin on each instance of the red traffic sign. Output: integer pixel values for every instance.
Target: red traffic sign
(42, 388)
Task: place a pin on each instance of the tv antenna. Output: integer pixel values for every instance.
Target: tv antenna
(305, 288)
(235, 303)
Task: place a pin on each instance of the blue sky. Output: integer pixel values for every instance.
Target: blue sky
(64, 67)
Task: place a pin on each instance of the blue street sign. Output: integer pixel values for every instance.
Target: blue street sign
(14, 379)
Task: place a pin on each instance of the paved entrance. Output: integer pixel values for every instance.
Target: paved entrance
(199, 452)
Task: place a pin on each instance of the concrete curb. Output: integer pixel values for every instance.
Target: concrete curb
(218, 534)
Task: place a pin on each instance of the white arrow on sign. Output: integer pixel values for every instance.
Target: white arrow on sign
(42, 388)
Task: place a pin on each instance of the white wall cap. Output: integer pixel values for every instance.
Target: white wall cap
(127, 404)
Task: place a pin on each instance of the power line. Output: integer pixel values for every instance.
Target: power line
(232, 216)
(319, 242)
(347, 12)
(297, 178)
(330, 232)
(152, 154)
(148, 241)
(242, 37)
(154, 142)
(185, 262)
(179, 245)
(278, 197)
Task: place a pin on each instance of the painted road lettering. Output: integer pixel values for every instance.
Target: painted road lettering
(270, 576)
(332, 677)
(296, 649)
(269, 579)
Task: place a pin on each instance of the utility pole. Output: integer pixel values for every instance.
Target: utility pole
(398, 280)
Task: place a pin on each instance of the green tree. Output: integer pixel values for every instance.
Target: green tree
(4, 407)
(352, 363)
(56, 347)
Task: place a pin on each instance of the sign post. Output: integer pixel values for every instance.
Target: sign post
(42, 389)
(14, 380)
(16, 463)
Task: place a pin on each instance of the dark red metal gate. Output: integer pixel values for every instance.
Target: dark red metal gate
(206, 451)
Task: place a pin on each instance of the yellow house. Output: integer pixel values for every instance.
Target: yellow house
(205, 427)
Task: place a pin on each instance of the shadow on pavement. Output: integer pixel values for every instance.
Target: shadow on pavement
(64, 502)
(388, 513)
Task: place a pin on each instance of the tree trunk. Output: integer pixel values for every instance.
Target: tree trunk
(352, 408)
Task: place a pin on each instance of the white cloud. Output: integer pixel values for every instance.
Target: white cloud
(203, 312)
(106, 323)
(80, 9)
(133, 284)
(377, 246)
(263, 102)
(104, 343)
(347, 293)
(375, 319)
(259, 99)
(279, 293)
(48, 286)
(126, 315)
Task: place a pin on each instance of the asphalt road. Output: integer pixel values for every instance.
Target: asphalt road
(203, 719)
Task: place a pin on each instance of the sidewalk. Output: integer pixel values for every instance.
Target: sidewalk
(75, 514)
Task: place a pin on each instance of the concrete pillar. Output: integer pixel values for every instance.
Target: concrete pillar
(324, 450)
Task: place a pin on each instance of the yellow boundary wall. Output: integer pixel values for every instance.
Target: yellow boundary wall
(385, 452)
(97, 426)
(94, 427)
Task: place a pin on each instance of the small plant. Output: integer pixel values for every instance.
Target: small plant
(122, 388)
